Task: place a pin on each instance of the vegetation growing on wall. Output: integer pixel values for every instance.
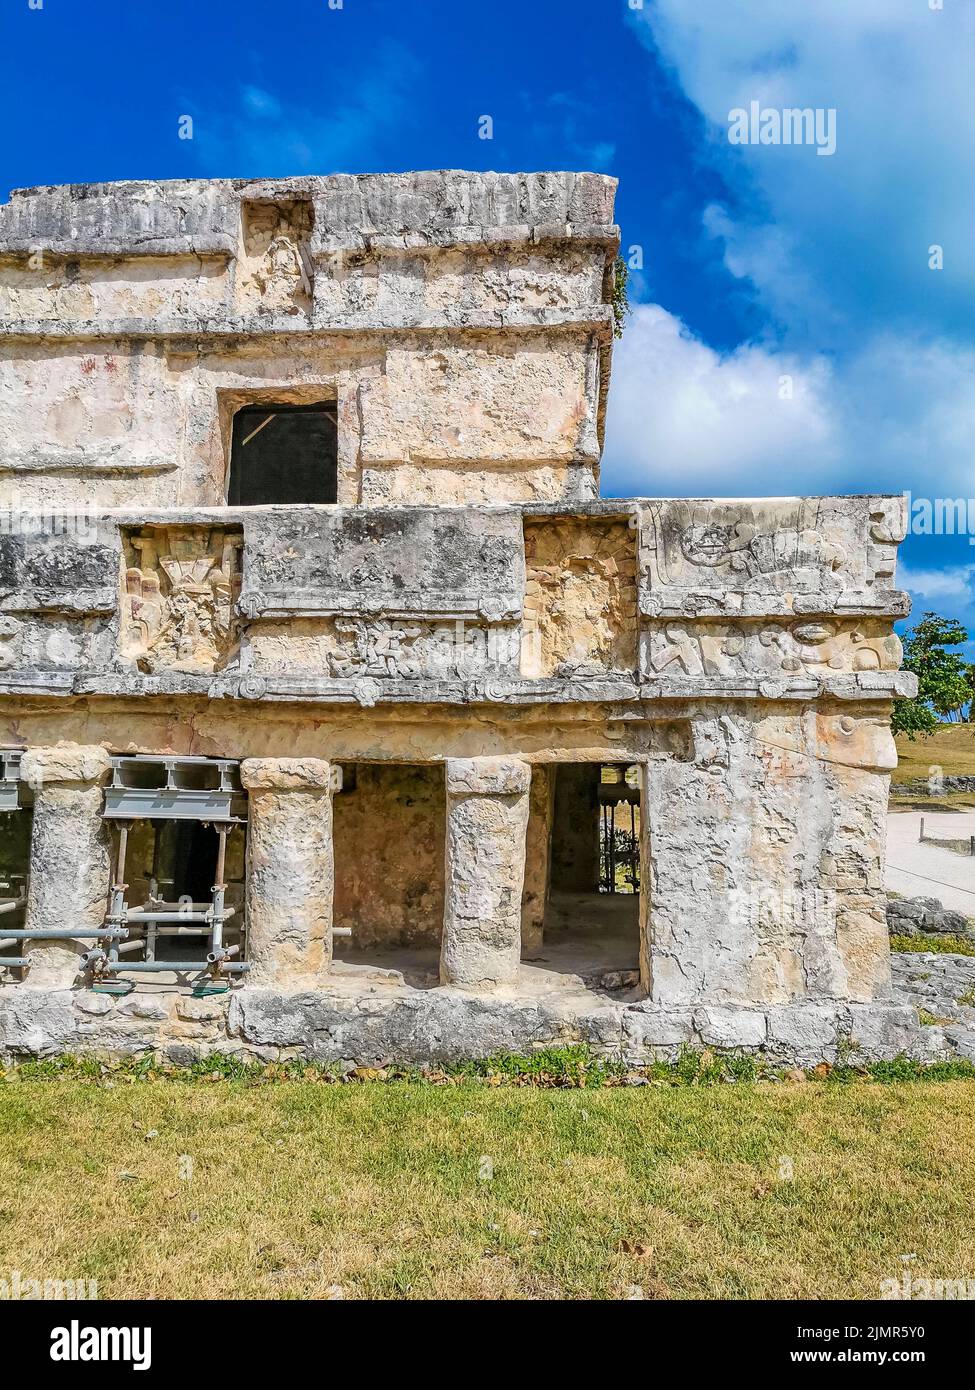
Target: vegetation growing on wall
(620, 298)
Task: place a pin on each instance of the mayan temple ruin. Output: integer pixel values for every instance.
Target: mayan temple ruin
(341, 716)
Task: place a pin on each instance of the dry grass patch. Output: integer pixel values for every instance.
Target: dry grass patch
(951, 747)
(412, 1191)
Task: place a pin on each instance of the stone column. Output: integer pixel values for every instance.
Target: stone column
(290, 874)
(69, 855)
(487, 821)
(538, 855)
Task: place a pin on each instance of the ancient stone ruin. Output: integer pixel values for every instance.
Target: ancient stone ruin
(340, 715)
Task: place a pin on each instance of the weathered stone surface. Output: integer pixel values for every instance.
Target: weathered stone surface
(538, 846)
(178, 606)
(68, 886)
(407, 296)
(416, 1026)
(883, 1030)
(288, 774)
(203, 215)
(730, 1028)
(487, 821)
(35, 1022)
(936, 785)
(289, 870)
(940, 982)
(580, 597)
(68, 566)
(647, 1029)
(805, 1033)
(410, 562)
(65, 763)
(488, 777)
(914, 916)
(767, 882)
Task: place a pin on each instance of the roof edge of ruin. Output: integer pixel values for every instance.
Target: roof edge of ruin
(149, 217)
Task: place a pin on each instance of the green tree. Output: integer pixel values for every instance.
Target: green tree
(946, 682)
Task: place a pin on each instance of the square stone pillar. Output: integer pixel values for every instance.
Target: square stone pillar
(70, 858)
(290, 872)
(487, 821)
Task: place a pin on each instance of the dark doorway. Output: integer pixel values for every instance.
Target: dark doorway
(188, 855)
(284, 453)
(15, 836)
(589, 830)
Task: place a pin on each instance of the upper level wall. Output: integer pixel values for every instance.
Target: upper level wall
(459, 320)
(638, 600)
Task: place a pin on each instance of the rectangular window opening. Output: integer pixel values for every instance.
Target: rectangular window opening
(286, 454)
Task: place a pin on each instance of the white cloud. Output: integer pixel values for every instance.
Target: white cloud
(260, 102)
(836, 251)
(684, 419)
(956, 583)
(833, 243)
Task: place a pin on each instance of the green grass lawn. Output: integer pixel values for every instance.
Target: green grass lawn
(397, 1190)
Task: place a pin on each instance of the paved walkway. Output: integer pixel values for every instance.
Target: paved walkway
(918, 870)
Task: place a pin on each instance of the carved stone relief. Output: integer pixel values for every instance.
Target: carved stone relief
(580, 597)
(274, 269)
(383, 648)
(181, 587)
(812, 546)
(818, 647)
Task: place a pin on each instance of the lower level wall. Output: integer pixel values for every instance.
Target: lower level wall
(765, 858)
(762, 861)
(414, 1027)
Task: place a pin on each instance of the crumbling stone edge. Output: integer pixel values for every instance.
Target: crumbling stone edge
(447, 1025)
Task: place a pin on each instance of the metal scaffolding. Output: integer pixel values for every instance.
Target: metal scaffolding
(14, 801)
(161, 791)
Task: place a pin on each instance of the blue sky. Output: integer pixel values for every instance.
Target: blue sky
(788, 335)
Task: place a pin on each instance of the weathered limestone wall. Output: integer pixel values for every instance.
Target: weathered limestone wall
(443, 603)
(387, 732)
(766, 860)
(290, 870)
(466, 356)
(69, 854)
(390, 832)
(487, 823)
(538, 857)
(147, 423)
